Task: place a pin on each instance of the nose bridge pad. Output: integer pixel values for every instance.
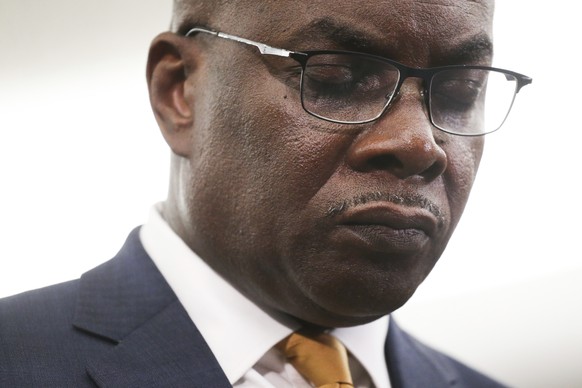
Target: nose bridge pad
(418, 82)
(425, 95)
(410, 89)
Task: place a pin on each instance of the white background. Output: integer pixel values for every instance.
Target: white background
(81, 161)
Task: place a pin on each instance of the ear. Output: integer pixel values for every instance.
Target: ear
(168, 70)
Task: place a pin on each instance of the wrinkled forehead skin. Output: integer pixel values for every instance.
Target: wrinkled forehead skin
(403, 25)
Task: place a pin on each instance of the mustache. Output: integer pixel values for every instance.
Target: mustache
(413, 200)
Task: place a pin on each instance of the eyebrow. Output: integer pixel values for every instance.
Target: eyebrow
(334, 31)
(477, 48)
(474, 49)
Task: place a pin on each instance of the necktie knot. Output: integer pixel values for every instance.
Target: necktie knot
(319, 357)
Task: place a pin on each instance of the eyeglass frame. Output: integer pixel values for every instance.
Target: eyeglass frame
(405, 72)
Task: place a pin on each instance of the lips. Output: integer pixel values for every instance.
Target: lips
(385, 227)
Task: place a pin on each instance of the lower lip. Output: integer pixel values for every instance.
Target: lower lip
(383, 239)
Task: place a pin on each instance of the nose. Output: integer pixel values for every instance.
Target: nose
(401, 142)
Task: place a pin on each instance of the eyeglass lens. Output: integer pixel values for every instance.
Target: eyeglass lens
(351, 88)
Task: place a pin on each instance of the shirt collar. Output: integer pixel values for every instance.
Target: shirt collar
(366, 343)
(237, 331)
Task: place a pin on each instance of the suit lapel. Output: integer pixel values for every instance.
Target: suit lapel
(414, 365)
(155, 344)
(167, 351)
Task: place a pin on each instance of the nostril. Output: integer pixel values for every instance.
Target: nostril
(393, 163)
(384, 162)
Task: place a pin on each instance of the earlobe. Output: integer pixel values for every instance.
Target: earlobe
(167, 74)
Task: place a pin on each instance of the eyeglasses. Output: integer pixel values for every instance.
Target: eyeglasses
(355, 88)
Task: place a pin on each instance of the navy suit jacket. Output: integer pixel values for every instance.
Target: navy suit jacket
(121, 325)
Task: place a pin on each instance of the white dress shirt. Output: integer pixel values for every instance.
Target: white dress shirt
(239, 333)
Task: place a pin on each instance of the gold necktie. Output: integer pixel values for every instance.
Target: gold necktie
(319, 357)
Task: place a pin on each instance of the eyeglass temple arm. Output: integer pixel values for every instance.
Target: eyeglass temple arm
(263, 48)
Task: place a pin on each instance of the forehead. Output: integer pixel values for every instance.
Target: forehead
(408, 28)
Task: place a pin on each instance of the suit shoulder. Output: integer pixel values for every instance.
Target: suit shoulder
(55, 302)
(38, 342)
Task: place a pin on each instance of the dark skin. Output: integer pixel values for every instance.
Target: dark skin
(335, 225)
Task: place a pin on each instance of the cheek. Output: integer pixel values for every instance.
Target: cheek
(282, 150)
(271, 144)
(464, 155)
(262, 162)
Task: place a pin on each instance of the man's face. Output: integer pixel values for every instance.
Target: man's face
(334, 224)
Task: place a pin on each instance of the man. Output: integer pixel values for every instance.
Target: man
(321, 159)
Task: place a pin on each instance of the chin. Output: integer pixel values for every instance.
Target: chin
(344, 309)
